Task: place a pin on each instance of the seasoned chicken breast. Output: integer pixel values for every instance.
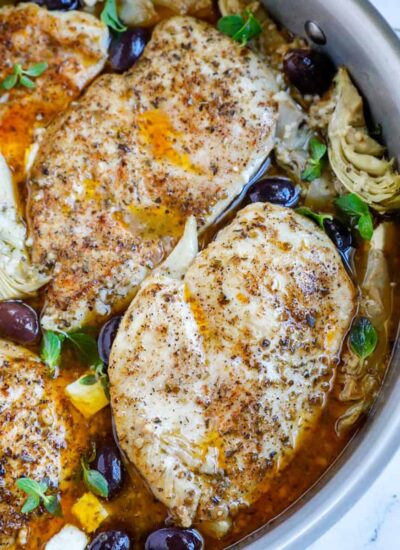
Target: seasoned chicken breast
(216, 376)
(73, 44)
(35, 437)
(120, 171)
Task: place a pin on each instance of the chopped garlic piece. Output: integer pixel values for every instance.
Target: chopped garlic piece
(69, 537)
(87, 399)
(90, 512)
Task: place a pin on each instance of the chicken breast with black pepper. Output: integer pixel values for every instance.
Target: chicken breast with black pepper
(74, 46)
(217, 375)
(35, 437)
(118, 174)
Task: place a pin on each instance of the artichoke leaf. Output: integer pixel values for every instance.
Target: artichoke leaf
(359, 161)
(18, 278)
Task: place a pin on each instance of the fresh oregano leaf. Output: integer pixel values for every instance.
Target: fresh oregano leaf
(30, 504)
(50, 351)
(318, 218)
(88, 380)
(36, 70)
(27, 82)
(110, 16)
(36, 493)
(230, 24)
(363, 337)
(241, 28)
(354, 208)
(314, 165)
(86, 345)
(52, 505)
(94, 480)
(9, 82)
(20, 76)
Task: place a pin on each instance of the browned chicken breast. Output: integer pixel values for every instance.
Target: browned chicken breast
(120, 171)
(217, 375)
(73, 44)
(34, 436)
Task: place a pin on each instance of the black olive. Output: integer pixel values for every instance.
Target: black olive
(110, 540)
(106, 337)
(310, 71)
(339, 234)
(126, 48)
(62, 5)
(108, 462)
(172, 538)
(277, 190)
(18, 322)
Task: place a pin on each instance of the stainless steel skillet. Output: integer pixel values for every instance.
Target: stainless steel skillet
(357, 36)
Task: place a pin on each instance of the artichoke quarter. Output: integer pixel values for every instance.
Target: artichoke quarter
(359, 161)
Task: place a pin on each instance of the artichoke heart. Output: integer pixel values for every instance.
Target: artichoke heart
(18, 278)
(358, 160)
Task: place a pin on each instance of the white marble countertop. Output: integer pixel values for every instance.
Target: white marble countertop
(374, 521)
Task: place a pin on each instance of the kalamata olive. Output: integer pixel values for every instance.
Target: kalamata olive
(276, 190)
(106, 337)
(339, 234)
(172, 538)
(126, 48)
(110, 540)
(310, 71)
(108, 462)
(18, 322)
(62, 5)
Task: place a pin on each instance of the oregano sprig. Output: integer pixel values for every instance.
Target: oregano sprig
(363, 338)
(314, 165)
(355, 209)
(93, 479)
(23, 77)
(240, 27)
(36, 492)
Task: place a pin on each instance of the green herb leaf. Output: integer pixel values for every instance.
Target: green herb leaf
(36, 70)
(363, 337)
(51, 348)
(30, 504)
(355, 208)
(86, 346)
(36, 492)
(230, 24)
(312, 171)
(313, 168)
(30, 486)
(241, 28)
(250, 29)
(365, 227)
(52, 505)
(88, 380)
(9, 82)
(318, 218)
(110, 16)
(352, 205)
(317, 149)
(27, 82)
(94, 481)
(20, 76)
